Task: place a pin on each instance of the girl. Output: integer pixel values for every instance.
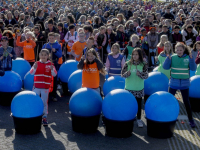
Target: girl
(197, 61)
(135, 71)
(134, 42)
(28, 46)
(121, 37)
(62, 31)
(27, 22)
(82, 20)
(9, 35)
(111, 38)
(10, 19)
(196, 49)
(115, 61)
(180, 64)
(42, 71)
(162, 56)
(91, 66)
(18, 50)
(160, 46)
(88, 31)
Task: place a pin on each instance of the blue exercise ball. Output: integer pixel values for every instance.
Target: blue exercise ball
(28, 81)
(120, 105)
(112, 83)
(162, 106)
(194, 90)
(21, 66)
(75, 81)
(156, 81)
(27, 104)
(10, 82)
(192, 73)
(85, 102)
(67, 69)
(155, 69)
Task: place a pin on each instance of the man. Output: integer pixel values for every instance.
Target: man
(168, 14)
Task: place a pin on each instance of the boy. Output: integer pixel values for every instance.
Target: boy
(165, 31)
(78, 47)
(7, 53)
(55, 50)
(176, 36)
(90, 44)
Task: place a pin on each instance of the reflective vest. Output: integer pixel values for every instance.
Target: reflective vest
(90, 76)
(180, 67)
(133, 82)
(43, 77)
(115, 65)
(160, 67)
(130, 50)
(198, 70)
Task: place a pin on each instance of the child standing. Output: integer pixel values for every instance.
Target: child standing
(162, 56)
(197, 61)
(135, 71)
(196, 49)
(180, 64)
(28, 46)
(7, 53)
(176, 36)
(115, 61)
(91, 66)
(160, 45)
(42, 71)
(121, 37)
(78, 47)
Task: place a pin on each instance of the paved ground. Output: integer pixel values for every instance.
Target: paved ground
(59, 135)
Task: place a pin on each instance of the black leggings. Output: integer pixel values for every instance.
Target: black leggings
(139, 101)
(185, 95)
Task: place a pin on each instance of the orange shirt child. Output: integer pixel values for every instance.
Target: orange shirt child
(78, 49)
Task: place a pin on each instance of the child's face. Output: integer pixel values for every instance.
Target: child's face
(115, 50)
(134, 40)
(198, 47)
(36, 31)
(176, 31)
(167, 48)
(50, 26)
(189, 30)
(28, 19)
(135, 56)
(72, 30)
(58, 39)
(152, 30)
(179, 51)
(103, 31)
(52, 39)
(144, 33)
(59, 28)
(164, 29)
(43, 56)
(90, 57)
(82, 37)
(7, 35)
(167, 23)
(163, 40)
(28, 36)
(131, 26)
(4, 43)
(121, 29)
(90, 43)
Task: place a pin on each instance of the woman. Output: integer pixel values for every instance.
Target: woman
(10, 19)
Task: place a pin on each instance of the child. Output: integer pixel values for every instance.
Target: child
(88, 31)
(78, 47)
(7, 53)
(143, 41)
(115, 61)
(135, 71)
(121, 37)
(180, 64)
(18, 50)
(91, 66)
(62, 31)
(197, 61)
(189, 36)
(196, 49)
(55, 49)
(176, 36)
(90, 44)
(131, 30)
(134, 42)
(71, 37)
(160, 46)
(60, 60)
(28, 46)
(42, 71)
(161, 58)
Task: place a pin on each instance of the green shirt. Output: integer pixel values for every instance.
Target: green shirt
(160, 67)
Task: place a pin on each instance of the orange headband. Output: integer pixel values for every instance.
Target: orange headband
(152, 28)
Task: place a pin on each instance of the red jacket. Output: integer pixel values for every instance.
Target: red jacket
(43, 75)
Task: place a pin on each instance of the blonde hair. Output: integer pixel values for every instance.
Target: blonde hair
(80, 30)
(45, 51)
(32, 35)
(119, 26)
(117, 46)
(171, 48)
(160, 44)
(134, 35)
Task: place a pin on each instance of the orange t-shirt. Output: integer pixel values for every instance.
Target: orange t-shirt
(60, 61)
(78, 49)
(90, 76)
(28, 48)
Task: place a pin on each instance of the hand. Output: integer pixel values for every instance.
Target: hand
(53, 49)
(138, 73)
(1, 57)
(10, 55)
(169, 56)
(51, 67)
(129, 73)
(156, 58)
(35, 65)
(41, 37)
(83, 57)
(18, 34)
(190, 56)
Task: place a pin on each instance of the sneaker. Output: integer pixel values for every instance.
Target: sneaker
(54, 99)
(44, 122)
(192, 124)
(140, 123)
(59, 87)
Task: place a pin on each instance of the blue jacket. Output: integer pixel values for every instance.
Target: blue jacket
(179, 83)
(57, 54)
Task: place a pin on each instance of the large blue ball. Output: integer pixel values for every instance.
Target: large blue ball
(27, 104)
(155, 69)
(75, 81)
(85, 102)
(156, 81)
(67, 69)
(28, 81)
(194, 89)
(112, 83)
(10, 82)
(21, 66)
(162, 106)
(120, 105)
(192, 73)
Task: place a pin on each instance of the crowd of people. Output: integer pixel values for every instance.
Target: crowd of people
(124, 38)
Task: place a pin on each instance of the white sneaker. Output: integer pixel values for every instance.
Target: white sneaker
(59, 87)
(140, 123)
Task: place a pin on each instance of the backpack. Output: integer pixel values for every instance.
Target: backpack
(70, 35)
